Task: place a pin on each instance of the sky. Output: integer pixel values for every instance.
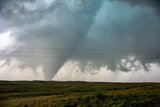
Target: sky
(80, 40)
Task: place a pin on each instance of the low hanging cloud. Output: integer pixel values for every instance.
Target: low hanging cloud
(71, 72)
(12, 71)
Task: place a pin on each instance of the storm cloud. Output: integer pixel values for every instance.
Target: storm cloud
(50, 33)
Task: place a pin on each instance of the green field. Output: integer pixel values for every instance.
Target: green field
(78, 94)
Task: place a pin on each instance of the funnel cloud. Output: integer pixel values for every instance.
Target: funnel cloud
(46, 38)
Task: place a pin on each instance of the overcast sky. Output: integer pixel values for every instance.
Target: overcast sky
(44, 39)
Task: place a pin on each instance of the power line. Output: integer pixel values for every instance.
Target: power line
(33, 51)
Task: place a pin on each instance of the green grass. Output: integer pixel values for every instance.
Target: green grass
(78, 94)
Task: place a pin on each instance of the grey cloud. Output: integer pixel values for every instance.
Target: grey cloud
(155, 4)
(121, 30)
(102, 32)
(63, 27)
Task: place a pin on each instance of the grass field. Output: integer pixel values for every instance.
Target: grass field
(78, 94)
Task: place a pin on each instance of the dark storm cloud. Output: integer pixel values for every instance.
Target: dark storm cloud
(149, 3)
(63, 24)
(100, 31)
(122, 30)
(18, 12)
(3, 3)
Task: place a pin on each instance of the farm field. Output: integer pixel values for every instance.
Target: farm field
(78, 94)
